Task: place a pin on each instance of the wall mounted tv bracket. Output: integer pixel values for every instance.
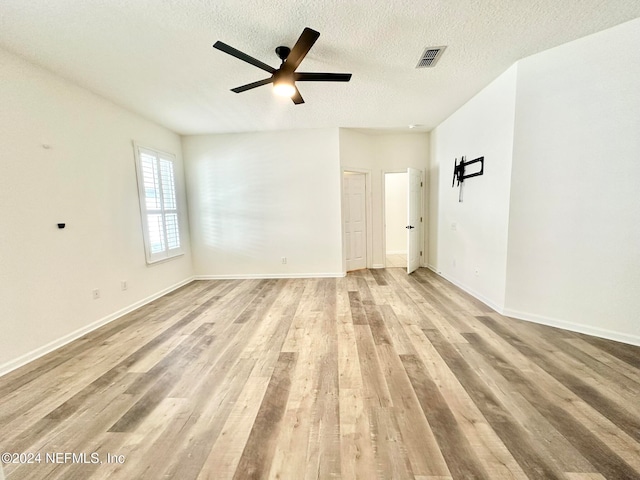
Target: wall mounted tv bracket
(459, 172)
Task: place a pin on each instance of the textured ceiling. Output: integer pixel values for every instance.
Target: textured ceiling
(155, 58)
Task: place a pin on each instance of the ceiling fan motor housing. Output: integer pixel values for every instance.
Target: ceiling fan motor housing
(283, 52)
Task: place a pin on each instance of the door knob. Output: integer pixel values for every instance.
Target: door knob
(409, 227)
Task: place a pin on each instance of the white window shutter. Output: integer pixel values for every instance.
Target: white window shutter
(158, 204)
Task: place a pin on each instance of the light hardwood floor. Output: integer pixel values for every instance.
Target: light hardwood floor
(376, 375)
(396, 260)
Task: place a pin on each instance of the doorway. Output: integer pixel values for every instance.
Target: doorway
(403, 219)
(395, 218)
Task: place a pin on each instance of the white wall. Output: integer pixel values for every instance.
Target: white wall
(469, 239)
(574, 240)
(554, 225)
(87, 179)
(257, 197)
(379, 153)
(395, 212)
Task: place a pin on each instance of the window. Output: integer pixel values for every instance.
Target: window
(158, 204)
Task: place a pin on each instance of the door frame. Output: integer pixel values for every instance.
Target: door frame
(384, 213)
(368, 214)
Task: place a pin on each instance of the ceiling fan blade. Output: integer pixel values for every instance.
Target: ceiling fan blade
(243, 56)
(321, 77)
(297, 98)
(249, 86)
(301, 48)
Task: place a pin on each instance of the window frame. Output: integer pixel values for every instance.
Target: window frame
(166, 253)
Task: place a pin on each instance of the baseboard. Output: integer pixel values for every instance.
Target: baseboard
(242, 276)
(487, 301)
(51, 346)
(543, 320)
(377, 265)
(573, 327)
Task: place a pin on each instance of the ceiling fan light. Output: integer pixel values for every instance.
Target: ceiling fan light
(284, 89)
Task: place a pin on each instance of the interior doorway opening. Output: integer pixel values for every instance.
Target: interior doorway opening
(395, 221)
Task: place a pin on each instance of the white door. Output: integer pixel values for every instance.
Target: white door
(413, 218)
(355, 228)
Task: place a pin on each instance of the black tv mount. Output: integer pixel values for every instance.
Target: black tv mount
(459, 172)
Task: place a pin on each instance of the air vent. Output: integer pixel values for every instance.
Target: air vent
(430, 57)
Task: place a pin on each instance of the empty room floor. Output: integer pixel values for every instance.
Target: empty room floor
(377, 375)
(396, 260)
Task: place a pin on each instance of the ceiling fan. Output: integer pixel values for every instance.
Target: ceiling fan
(284, 78)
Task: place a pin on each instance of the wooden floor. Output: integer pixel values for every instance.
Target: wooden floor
(396, 260)
(376, 375)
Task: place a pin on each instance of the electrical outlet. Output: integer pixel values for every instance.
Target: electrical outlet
(477, 271)
(284, 260)
(123, 285)
(95, 293)
(454, 226)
